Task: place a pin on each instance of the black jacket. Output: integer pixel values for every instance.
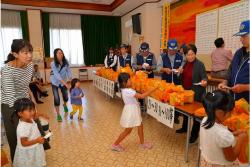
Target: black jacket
(199, 73)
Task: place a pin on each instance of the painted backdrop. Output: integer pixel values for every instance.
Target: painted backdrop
(182, 17)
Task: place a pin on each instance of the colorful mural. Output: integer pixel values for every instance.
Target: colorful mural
(182, 17)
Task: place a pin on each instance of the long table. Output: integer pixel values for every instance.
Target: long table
(165, 114)
(107, 87)
(188, 110)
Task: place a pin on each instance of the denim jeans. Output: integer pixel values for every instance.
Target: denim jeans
(55, 91)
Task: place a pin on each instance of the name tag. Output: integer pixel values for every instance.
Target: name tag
(149, 59)
(127, 58)
(178, 61)
(248, 62)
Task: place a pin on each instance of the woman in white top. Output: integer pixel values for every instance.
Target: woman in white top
(131, 114)
(219, 146)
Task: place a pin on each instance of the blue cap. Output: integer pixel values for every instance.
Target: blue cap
(244, 28)
(172, 44)
(144, 47)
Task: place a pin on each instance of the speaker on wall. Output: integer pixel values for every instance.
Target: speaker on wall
(136, 23)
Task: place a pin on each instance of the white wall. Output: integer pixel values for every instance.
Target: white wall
(150, 25)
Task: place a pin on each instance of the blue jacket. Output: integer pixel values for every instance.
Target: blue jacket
(150, 59)
(59, 73)
(123, 62)
(239, 75)
(167, 64)
(75, 92)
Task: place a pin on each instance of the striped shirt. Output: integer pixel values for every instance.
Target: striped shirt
(15, 83)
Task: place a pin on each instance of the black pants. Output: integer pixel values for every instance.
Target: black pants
(35, 90)
(10, 124)
(195, 129)
(64, 91)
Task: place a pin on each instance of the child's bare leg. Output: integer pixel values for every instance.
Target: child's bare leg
(123, 135)
(141, 134)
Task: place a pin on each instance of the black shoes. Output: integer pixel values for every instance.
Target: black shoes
(181, 130)
(176, 120)
(192, 139)
(39, 102)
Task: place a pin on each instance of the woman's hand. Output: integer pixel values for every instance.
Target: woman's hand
(168, 70)
(203, 83)
(180, 70)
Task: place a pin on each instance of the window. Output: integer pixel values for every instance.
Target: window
(11, 29)
(65, 33)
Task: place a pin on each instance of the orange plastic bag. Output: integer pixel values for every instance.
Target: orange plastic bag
(200, 112)
(188, 96)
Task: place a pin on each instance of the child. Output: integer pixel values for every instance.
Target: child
(29, 150)
(131, 115)
(76, 95)
(219, 146)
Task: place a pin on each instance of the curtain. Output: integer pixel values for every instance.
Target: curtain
(24, 24)
(99, 32)
(46, 41)
(65, 33)
(10, 29)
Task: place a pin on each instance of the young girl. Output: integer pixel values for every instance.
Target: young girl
(29, 150)
(76, 95)
(131, 115)
(219, 146)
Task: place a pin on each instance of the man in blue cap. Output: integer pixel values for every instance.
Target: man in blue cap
(145, 60)
(238, 73)
(170, 64)
(125, 58)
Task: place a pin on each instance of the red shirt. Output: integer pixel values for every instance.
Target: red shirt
(188, 75)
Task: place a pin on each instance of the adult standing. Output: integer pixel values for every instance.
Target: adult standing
(145, 60)
(125, 59)
(220, 58)
(194, 77)
(60, 73)
(238, 72)
(170, 64)
(111, 59)
(16, 76)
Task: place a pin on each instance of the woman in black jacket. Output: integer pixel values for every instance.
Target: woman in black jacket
(194, 77)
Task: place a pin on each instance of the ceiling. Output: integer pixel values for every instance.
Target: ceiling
(106, 2)
(96, 7)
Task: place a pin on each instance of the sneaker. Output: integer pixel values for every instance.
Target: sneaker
(59, 118)
(146, 146)
(71, 116)
(117, 148)
(81, 119)
(66, 108)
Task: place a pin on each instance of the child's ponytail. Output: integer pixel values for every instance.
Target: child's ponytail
(210, 110)
(216, 100)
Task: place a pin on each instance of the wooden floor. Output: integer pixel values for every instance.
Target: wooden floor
(87, 144)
